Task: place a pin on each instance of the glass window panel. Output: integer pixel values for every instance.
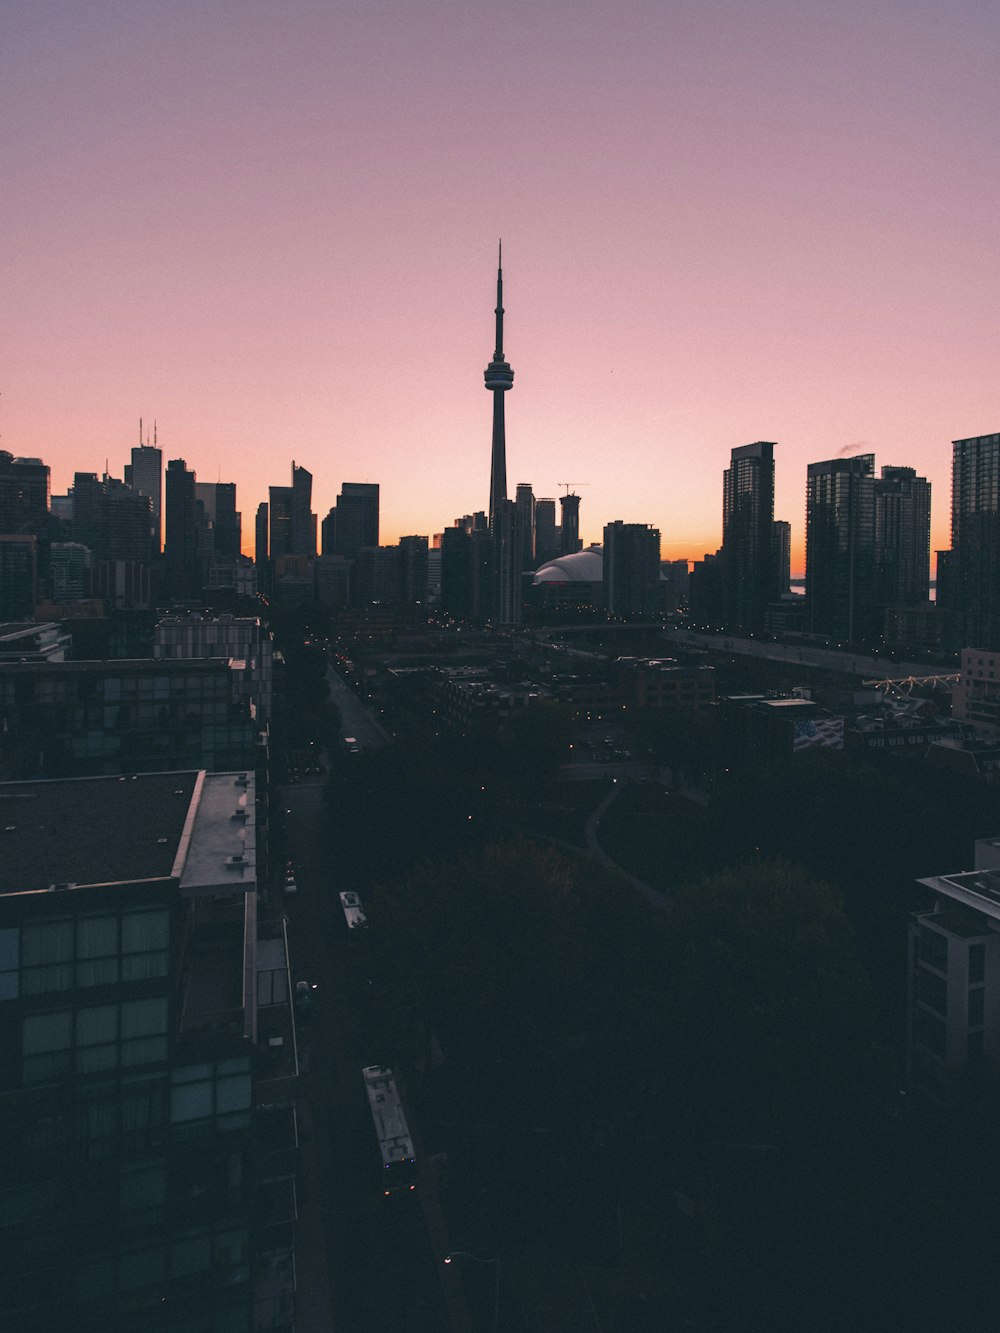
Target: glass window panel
(143, 1018)
(143, 966)
(97, 972)
(145, 930)
(976, 1007)
(238, 1065)
(8, 949)
(96, 936)
(192, 1073)
(93, 1059)
(193, 1101)
(42, 1068)
(233, 1094)
(97, 1024)
(42, 980)
(144, 1050)
(8, 985)
(48, 942)
(48, 1032)
(977, 962)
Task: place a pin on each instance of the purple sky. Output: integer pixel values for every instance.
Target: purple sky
(273, 227)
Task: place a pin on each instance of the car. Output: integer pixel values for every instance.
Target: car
(354, 913)
(290, 884)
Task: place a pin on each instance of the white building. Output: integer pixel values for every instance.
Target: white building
(954, 974)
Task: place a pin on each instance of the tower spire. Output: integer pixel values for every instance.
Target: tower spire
(499, 378)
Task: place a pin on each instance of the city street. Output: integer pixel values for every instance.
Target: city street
(356, 719)
(366, 1257)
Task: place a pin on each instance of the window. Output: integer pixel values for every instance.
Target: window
(976, 1007)
(977, 963)
(145, 942)
(48, 1039)
(97, 1038)
(47, 957)
(144, 1031)
(97, 951)
(933, 949)
(9, 947)
(932, 990)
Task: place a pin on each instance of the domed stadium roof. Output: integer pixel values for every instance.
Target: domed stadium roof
(581, 567)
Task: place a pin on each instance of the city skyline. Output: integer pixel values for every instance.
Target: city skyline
(251, 252)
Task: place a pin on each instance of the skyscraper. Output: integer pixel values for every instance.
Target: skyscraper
(356, 518)
(969, 574)
(902, 537)
(499, 378)
(747, 516)
(303, 534)
(145, 475)
(260, 553)
(219, 501)
(569, 540)
(781, 558)
(181, 546)
(840, 548)
(631, 568)
(546, 539)
(525, 501)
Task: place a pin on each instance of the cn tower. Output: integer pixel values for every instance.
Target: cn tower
(499, 378)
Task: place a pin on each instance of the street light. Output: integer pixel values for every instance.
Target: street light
(464, 1254)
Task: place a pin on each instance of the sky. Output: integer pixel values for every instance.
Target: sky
(272, 227)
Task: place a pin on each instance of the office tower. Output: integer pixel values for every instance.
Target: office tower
(303, 534)
(840, 549)
(139, 1134)
(569, 539)
(328, 533)
(456, 572)
(705, 591)
(499, 379)
(279, 537)
(969, 575)
(376, 576)
(24, 495)
(219, 501)
(631, 569)
(356, 519)
(145, 475)
(781, 558)
(902, 537)
(18, 575)
(70, 566)
(181, 546)
(413, 569)
(747, 516)
(260, 545)
(111, 519)
(546, 531)
(506, 606)
(524, 498)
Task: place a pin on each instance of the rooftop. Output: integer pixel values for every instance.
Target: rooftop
(57, 832)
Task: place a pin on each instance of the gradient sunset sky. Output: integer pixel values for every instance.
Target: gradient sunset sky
(273, 227)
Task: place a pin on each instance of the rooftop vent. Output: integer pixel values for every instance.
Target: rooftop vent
(238, 860)
(239, 813)
(241, 780)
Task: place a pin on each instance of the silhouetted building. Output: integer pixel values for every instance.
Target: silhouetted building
(219, 501)
(631, 572)
(355, 518)
(902, 537)
(524, 498)
(413, 569)
(747, 518)
(705, 591)
(969, 575)
(840, 549)
(145, 475)
(18, 575)
(242, 639)
(546, 531)
(70, 568)
(506, 604)
(181, 545)
(303, 534)
(674, 579)
(24, 496)
(375, 576)
(279, 535)
(332, 581)
(143, 1005)
(261, 547)
(781, 558)
(111, 519)
(569, 538)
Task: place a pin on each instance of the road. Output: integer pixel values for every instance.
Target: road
(367, 1257)
(356, 718)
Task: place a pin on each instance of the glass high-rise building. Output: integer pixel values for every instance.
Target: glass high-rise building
(969, 577)
(356, 518)
(747, 518)
(840, 549)
(902, 537)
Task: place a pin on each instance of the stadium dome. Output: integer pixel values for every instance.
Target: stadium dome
(581, 567)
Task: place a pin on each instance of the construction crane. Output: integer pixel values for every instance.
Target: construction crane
(568, 484)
